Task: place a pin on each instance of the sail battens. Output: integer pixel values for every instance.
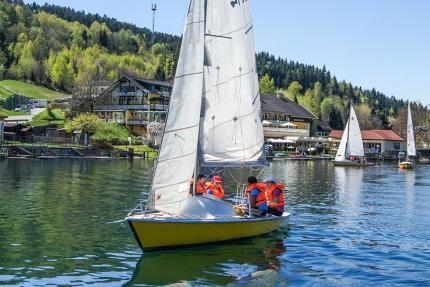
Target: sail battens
(218, 36)
(189, 74)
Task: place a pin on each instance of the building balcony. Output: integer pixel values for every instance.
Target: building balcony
(121, 107)
(159, 107)
(137, 122)
(126, 94)
(280, 132)
(118, 121)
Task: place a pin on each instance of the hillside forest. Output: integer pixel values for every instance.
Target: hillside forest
(65, 50)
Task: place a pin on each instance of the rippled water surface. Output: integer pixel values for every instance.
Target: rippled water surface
(61, 224)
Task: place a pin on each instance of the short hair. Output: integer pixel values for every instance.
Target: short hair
(201, 175)
(252, 179)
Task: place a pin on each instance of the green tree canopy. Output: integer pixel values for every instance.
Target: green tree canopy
(86, 123)
(267, 85)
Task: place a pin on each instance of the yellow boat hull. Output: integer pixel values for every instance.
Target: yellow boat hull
(406, 165)
(166, 233)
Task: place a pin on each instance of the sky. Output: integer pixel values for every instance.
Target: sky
(382, 44)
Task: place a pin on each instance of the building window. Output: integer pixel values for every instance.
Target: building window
(396, 145)
(135, 99)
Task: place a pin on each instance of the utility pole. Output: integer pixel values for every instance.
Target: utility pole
(153, 8)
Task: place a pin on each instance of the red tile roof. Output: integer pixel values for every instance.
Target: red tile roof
(387, 135)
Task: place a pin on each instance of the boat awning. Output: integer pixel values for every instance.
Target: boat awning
(288, 124)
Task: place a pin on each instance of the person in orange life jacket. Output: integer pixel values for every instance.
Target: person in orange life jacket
(201, 186)
(215, 187)
(257, 196)
(275, 197)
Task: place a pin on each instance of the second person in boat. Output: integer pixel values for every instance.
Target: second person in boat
(215, 187)
(256, 193)
(275, 197)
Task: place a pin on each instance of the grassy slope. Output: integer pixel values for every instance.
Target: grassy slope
(9, 87)
(44, 118)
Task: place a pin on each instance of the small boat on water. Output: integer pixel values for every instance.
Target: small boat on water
(214, 122)
(351, 150)
(411, 151)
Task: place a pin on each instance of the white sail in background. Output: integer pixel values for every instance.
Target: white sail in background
(351, 143)
(411, 150)
(355, 141)
(231, 131)
(177, 156)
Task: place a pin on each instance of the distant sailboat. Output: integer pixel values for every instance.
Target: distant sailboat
(411, 150)
(214, 121)
(351, 150)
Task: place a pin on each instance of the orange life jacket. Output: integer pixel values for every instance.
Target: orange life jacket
(270, 197)
(199, 188)
(218, 192)
(261, 198)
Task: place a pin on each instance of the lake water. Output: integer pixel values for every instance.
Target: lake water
(61, 224)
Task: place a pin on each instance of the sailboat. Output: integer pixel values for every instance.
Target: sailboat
(214, 121)
(411, 150)
(351, 150)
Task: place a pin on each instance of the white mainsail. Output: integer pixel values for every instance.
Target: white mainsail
(231, 131)
(214, 113)
(411, 150)
(355, 141)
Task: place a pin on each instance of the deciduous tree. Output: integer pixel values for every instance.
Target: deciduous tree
(267, 85)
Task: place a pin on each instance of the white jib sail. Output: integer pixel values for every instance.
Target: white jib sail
(231, 132)
(340, 155)
(177, 156)
(411, 150)
(355, 141)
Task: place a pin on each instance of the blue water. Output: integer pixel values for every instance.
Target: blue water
(61, 224)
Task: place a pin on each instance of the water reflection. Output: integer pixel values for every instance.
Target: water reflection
(349, 184)
(410, 198)
(245, 261)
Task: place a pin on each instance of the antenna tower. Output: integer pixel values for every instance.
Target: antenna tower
(153, 8)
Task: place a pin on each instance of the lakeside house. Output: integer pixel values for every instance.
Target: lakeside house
(284, 118)
(135, 102)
